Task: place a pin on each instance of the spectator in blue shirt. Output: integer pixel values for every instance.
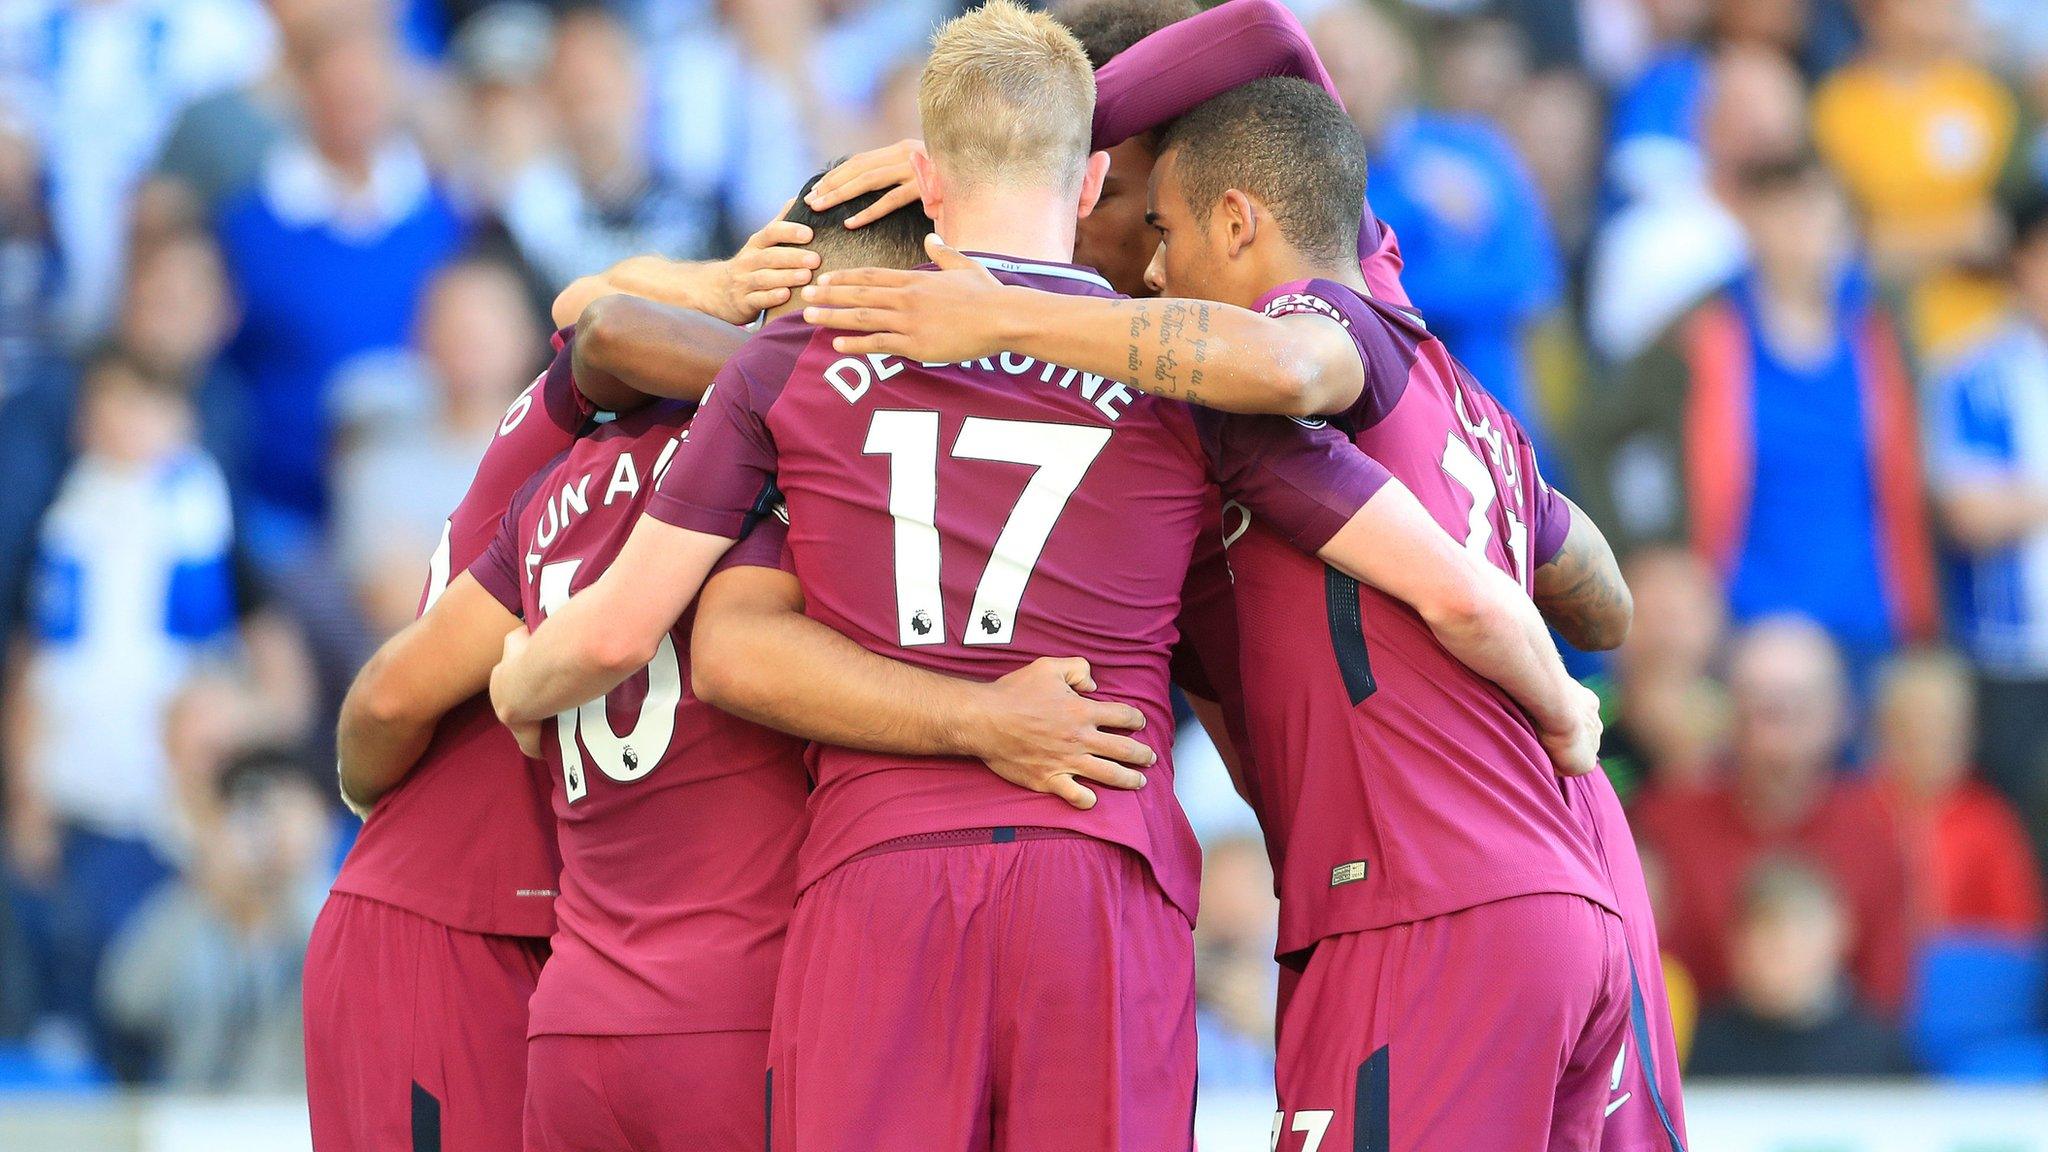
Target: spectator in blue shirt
(1988, 468)
(328, 256)
(133, 584)
(1480, 262)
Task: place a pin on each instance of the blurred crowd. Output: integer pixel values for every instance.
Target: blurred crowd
(1768, 280)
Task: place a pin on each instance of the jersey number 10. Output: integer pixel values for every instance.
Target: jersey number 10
(1062, 455)
(588, 726)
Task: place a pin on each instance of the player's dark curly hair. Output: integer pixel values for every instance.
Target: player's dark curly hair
(1285, 142)
(1107, 28)
(894, 241)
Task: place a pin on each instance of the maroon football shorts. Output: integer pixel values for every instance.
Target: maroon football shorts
(1495, 1027)
(415, 1031)
(1002, 990)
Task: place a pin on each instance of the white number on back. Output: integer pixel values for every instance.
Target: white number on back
(588, 727)
(1469, 472)
(1061, 455)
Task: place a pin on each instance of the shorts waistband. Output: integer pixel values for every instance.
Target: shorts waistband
(1001, 835)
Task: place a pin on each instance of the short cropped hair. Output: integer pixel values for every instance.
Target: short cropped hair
(1286, 142)
(1108, 28)
(1007, 97)
(894, 241)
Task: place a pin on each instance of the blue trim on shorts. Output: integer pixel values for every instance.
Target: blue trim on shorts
(1646, 1051)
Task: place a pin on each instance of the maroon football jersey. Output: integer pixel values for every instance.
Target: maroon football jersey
(678, 824)
(466, 838)
(1392, 782)
(969, 518)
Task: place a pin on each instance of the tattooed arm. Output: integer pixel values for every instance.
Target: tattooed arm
(1205, 353)
(1581, 592)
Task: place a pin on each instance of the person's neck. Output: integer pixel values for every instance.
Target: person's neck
(1798, 313)
(1293, 266)
(1039, 227)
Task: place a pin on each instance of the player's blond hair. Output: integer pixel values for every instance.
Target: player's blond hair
(1007, 97)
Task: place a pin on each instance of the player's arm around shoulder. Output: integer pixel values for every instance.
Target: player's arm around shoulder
(1206, 353)
(1581, 591)
(433, 664)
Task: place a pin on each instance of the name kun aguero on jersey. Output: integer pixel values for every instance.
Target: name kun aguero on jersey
(574, 498)
(852, 376)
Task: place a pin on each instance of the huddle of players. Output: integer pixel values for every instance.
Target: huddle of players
(947, 526)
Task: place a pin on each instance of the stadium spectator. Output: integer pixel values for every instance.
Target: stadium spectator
(603, 198)
(215, 149)
(102, 83)
(499, 60)
(1677, 238)
(1988, 470)
(1235, 976)
(132, 585)
(345, 212)
(207, 972)
(1920, 135)
(1669, 717)
(416, 422)
(35, 377)
(1968, 857)
(1481, 264)
(1555, 121)
(1783, 793)
(1793, 1012)
(1780, 416)
(174, 320)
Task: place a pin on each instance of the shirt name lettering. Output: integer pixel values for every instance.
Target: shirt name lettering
(852, 376)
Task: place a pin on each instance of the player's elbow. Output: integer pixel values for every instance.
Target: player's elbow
(1607, 630)
(381, 697)
(722, 672)
(599, 327)
(617, 652)
(1462, 604)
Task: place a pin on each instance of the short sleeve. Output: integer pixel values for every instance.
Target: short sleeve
(497, 567)
(723, 478)
(1388, 345)
(767, 546)
(1304, 478)
(1550, 518)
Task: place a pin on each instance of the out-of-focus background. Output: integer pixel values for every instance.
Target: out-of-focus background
(1768, 279)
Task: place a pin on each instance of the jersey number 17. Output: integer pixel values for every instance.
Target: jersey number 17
(1062, 455)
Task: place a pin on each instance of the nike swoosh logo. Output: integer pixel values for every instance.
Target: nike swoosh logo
(1618, 1103)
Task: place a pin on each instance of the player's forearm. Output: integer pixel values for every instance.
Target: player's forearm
(1581, 592)
(786, 671)
(576, 656)
(678, 283)
(1498, 633)
(381, 734)
(627, 347)
(1215, 355)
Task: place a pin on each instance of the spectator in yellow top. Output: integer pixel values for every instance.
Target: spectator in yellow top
(1919, 133)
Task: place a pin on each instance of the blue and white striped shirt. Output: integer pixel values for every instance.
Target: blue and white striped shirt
(1988, 421)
